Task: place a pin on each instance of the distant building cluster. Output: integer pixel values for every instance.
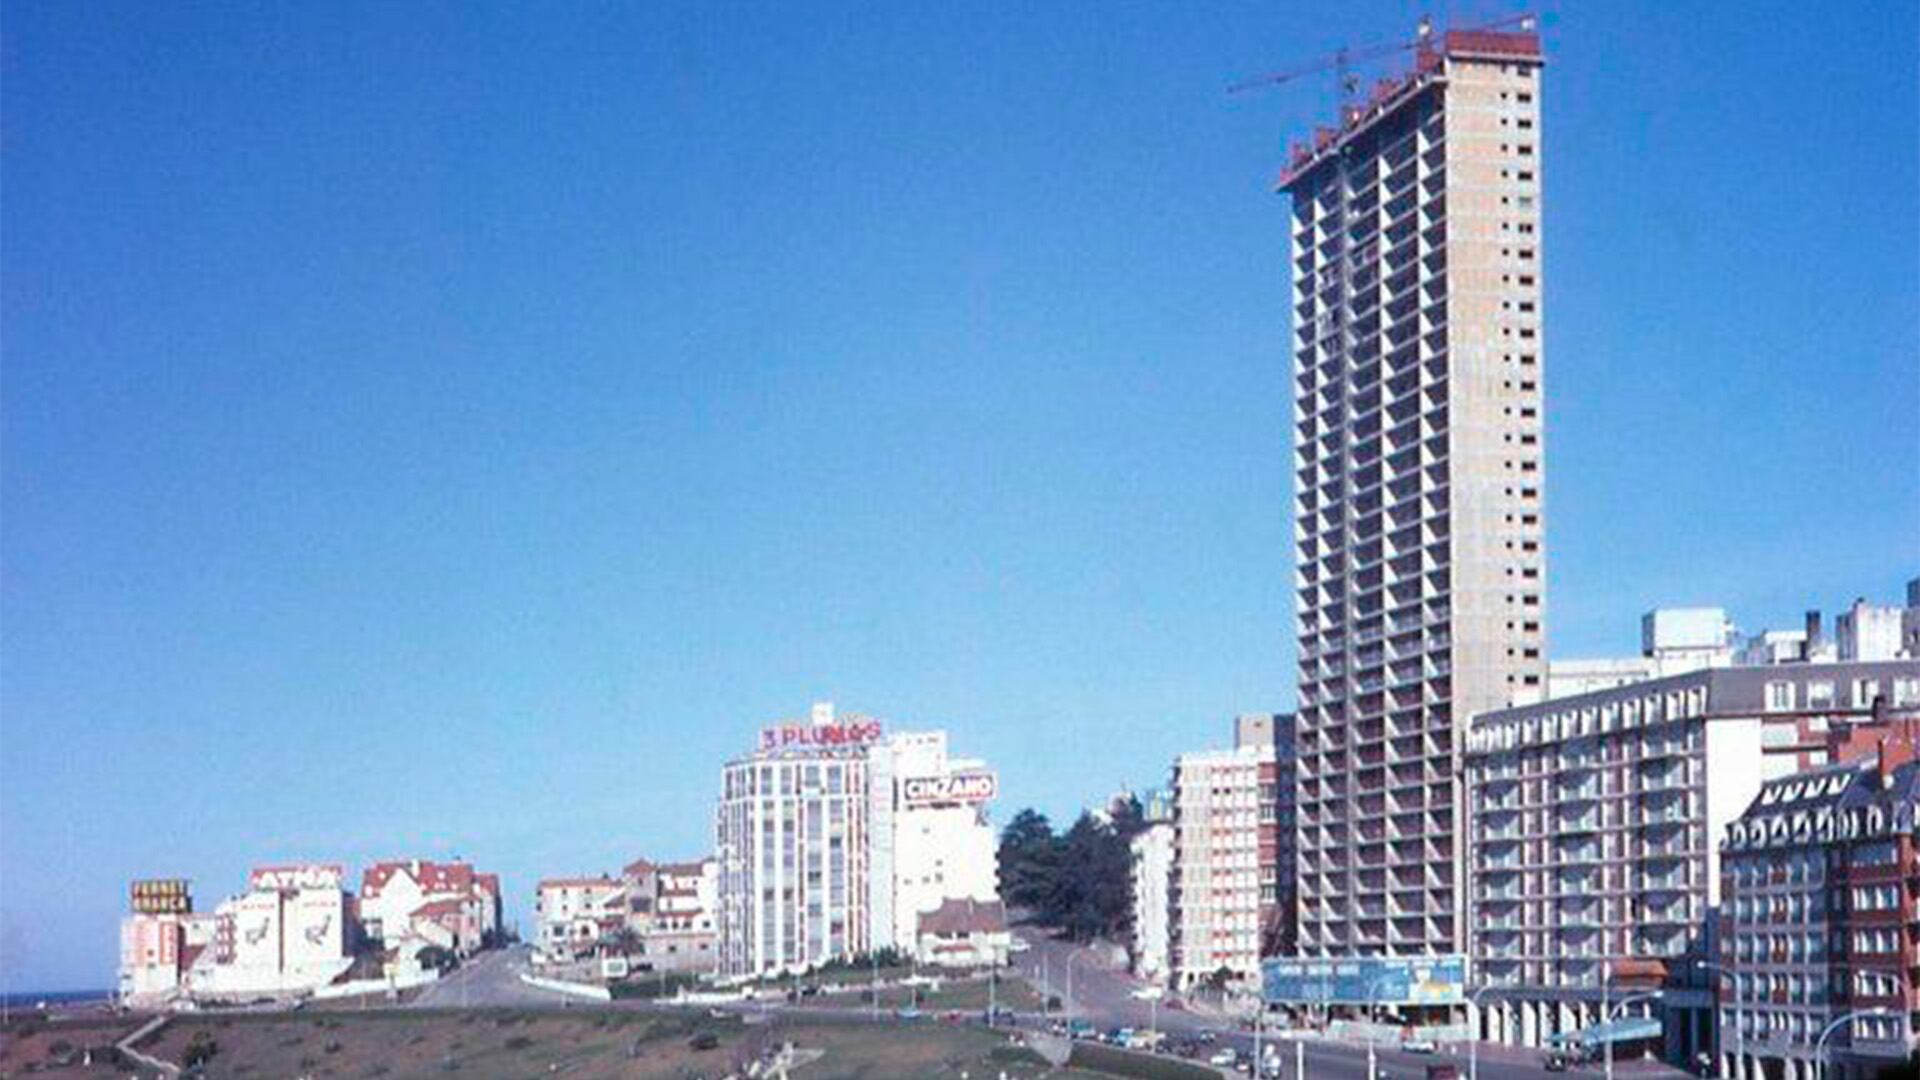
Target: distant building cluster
(297, 929)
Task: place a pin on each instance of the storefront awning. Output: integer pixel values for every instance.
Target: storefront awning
(1625, 1029)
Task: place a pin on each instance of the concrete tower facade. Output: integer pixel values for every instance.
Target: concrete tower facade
(1419, 461)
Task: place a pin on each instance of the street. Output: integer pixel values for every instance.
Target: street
(1105, 998)
(489, 980)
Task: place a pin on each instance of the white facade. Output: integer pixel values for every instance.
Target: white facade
(285, 935)
(1152, 874)
(1869, 632)
(1676, 631)
(793, 826)
(572, 915)
(1216, 902)
(942, 846)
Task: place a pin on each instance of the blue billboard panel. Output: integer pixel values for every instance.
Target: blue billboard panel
(1410, 980)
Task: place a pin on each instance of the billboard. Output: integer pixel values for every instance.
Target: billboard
(161, 896)
(817, 736)
(1410, 980)
(976, 787)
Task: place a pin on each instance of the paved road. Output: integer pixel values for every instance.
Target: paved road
(490, 979)
(1105, 997)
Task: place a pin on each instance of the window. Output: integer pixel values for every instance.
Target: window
(1820, 694)
(1864, 691)
(1779, 697)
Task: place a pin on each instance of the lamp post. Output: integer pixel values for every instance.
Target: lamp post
(1473, 1037)
(1373, 1013)
(1739, 1034)
(1071, 957)
(1820, 1044)
(1620, 1008)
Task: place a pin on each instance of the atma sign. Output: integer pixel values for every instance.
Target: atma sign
(1419, 980)
(818, 736)
(965, 788)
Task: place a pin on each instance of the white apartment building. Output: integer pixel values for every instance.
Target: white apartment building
(1595, 834)
(1152, 873)
(1419, 458)
(1217, 909)
(1870, 632)
(835, 840)
(572, 916)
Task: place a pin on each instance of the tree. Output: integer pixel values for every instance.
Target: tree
(1029, 861)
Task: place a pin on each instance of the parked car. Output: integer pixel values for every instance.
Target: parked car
(1419, 1046)
(908, 1012)
(1226, 1056)
(1556, 1062)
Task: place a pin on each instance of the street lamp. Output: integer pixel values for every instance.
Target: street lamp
(1739, 1033)
(1373, 1013)
(1620, 1008)
(1820, 1044)
(1473, 1036)
(1071, 958)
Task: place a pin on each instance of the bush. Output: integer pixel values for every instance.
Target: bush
(1106, 1059)
(519, 1042)
(201, 1048)
(706, 1040)
(60, 1048)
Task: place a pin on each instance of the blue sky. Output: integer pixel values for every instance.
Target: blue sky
(434, 429)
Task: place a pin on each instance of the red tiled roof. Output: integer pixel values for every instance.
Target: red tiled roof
(636, 868)
(432, 877)
(955, 917)
(437, 908)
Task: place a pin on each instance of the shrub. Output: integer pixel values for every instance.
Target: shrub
(706, 1040)
(519, 1042)
(201, 1048)
(1106, 1059)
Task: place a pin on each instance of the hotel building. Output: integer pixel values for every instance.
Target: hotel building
(1596, 826)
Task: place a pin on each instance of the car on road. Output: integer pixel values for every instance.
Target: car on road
(1018, 945)
(1419, 1046)
(1081, 1029)
(1555, 1063)
(908, 1012)
(1225, 1056)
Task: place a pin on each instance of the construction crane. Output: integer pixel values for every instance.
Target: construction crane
(1342, 60)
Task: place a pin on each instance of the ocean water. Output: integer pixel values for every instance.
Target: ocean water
(28, 999)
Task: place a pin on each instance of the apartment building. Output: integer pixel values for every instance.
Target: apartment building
(1595, 828)
(1419, 459)
(835, 840)
(1223, 889)
(1152, 849)
(1819, 919)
